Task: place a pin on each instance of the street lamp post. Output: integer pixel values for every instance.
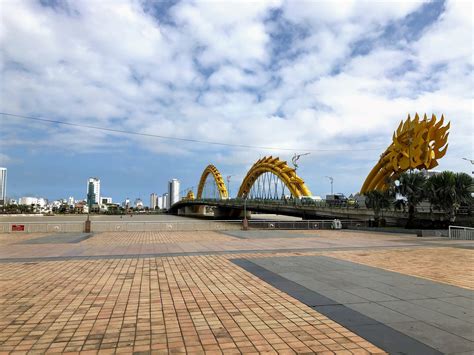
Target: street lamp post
(245, 222)
(332, 182)
(469, 160)
(228, 184)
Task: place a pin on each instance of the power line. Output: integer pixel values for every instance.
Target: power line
(180, 139)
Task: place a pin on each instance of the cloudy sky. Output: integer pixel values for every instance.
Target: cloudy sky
(334, 78)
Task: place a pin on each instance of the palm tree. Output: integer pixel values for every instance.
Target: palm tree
(377, 200)
(412, 187)
(448, 190)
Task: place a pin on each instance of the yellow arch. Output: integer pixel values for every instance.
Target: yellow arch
(211, 169)
(279, 168)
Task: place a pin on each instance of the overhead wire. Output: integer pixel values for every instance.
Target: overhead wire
(113, 130)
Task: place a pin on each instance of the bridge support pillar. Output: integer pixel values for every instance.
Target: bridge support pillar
(192, 211)
(230, 213)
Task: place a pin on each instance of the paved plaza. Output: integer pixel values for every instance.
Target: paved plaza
(325, 292)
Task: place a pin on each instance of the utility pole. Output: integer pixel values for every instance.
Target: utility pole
(469, 160)
(296, 157)
(332, 182)
(228, 184)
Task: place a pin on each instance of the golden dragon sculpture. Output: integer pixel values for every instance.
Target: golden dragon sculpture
(417, 144)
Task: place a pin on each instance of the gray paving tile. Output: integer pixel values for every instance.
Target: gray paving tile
(371, 295)
(399, 293)
(337, 295)
(461, 301)
(380, 313)
(462, 313)
(435, 337)
(416, 311)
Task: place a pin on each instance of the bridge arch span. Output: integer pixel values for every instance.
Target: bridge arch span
(279, 168)
(221, 187)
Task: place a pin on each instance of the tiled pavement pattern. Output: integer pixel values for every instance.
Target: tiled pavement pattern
(101, 244)
(178, 304)
(456, 268)
(144, 238)
(439, 315)
(120, 304)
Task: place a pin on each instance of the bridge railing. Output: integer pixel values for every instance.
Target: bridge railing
(461, 233)
(288, 202)
(303, 225)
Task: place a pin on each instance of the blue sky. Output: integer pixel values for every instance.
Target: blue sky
(308, 75)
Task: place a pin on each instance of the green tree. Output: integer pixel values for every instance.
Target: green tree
(447, 191)
(377, 200)
(412, 187)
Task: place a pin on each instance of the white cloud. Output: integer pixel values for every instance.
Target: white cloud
(210, 73)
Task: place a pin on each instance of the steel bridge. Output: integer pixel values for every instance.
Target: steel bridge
(272, 186)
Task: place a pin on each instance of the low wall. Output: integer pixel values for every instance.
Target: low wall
(41, 227)
(168, 226)
(164, 226)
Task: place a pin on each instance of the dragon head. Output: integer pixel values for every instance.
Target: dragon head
(417, 144)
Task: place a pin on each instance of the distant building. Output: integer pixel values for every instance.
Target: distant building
(430, 173)
(166, 201)
(126, 203)
(70, 201)
(173, 192)
(93, 191)
(138, 203)
(3, 186)
(81, 207)
(105, 200)
(153, 201)
(159, 202)
(28, 201)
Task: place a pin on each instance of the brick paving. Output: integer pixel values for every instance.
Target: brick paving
(144, 238)
(176, 304)
(191, 304)
(453, 266)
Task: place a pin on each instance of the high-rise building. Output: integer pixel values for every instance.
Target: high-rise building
(153, 201)
(159, 202)
(93, 191)
(3, 186)
(166, 201)
(173, 192)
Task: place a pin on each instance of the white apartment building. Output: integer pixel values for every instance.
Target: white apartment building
(173, 192)
(166, 201)
(3, 186)
(153, 201)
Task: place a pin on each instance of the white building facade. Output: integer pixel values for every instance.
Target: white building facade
(153, 201)
(173, 192)
(166, 201)
(159, 202)
(3, 186)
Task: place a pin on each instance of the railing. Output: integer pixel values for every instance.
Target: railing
(41, 227)
(461, 233)
(303, 225)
